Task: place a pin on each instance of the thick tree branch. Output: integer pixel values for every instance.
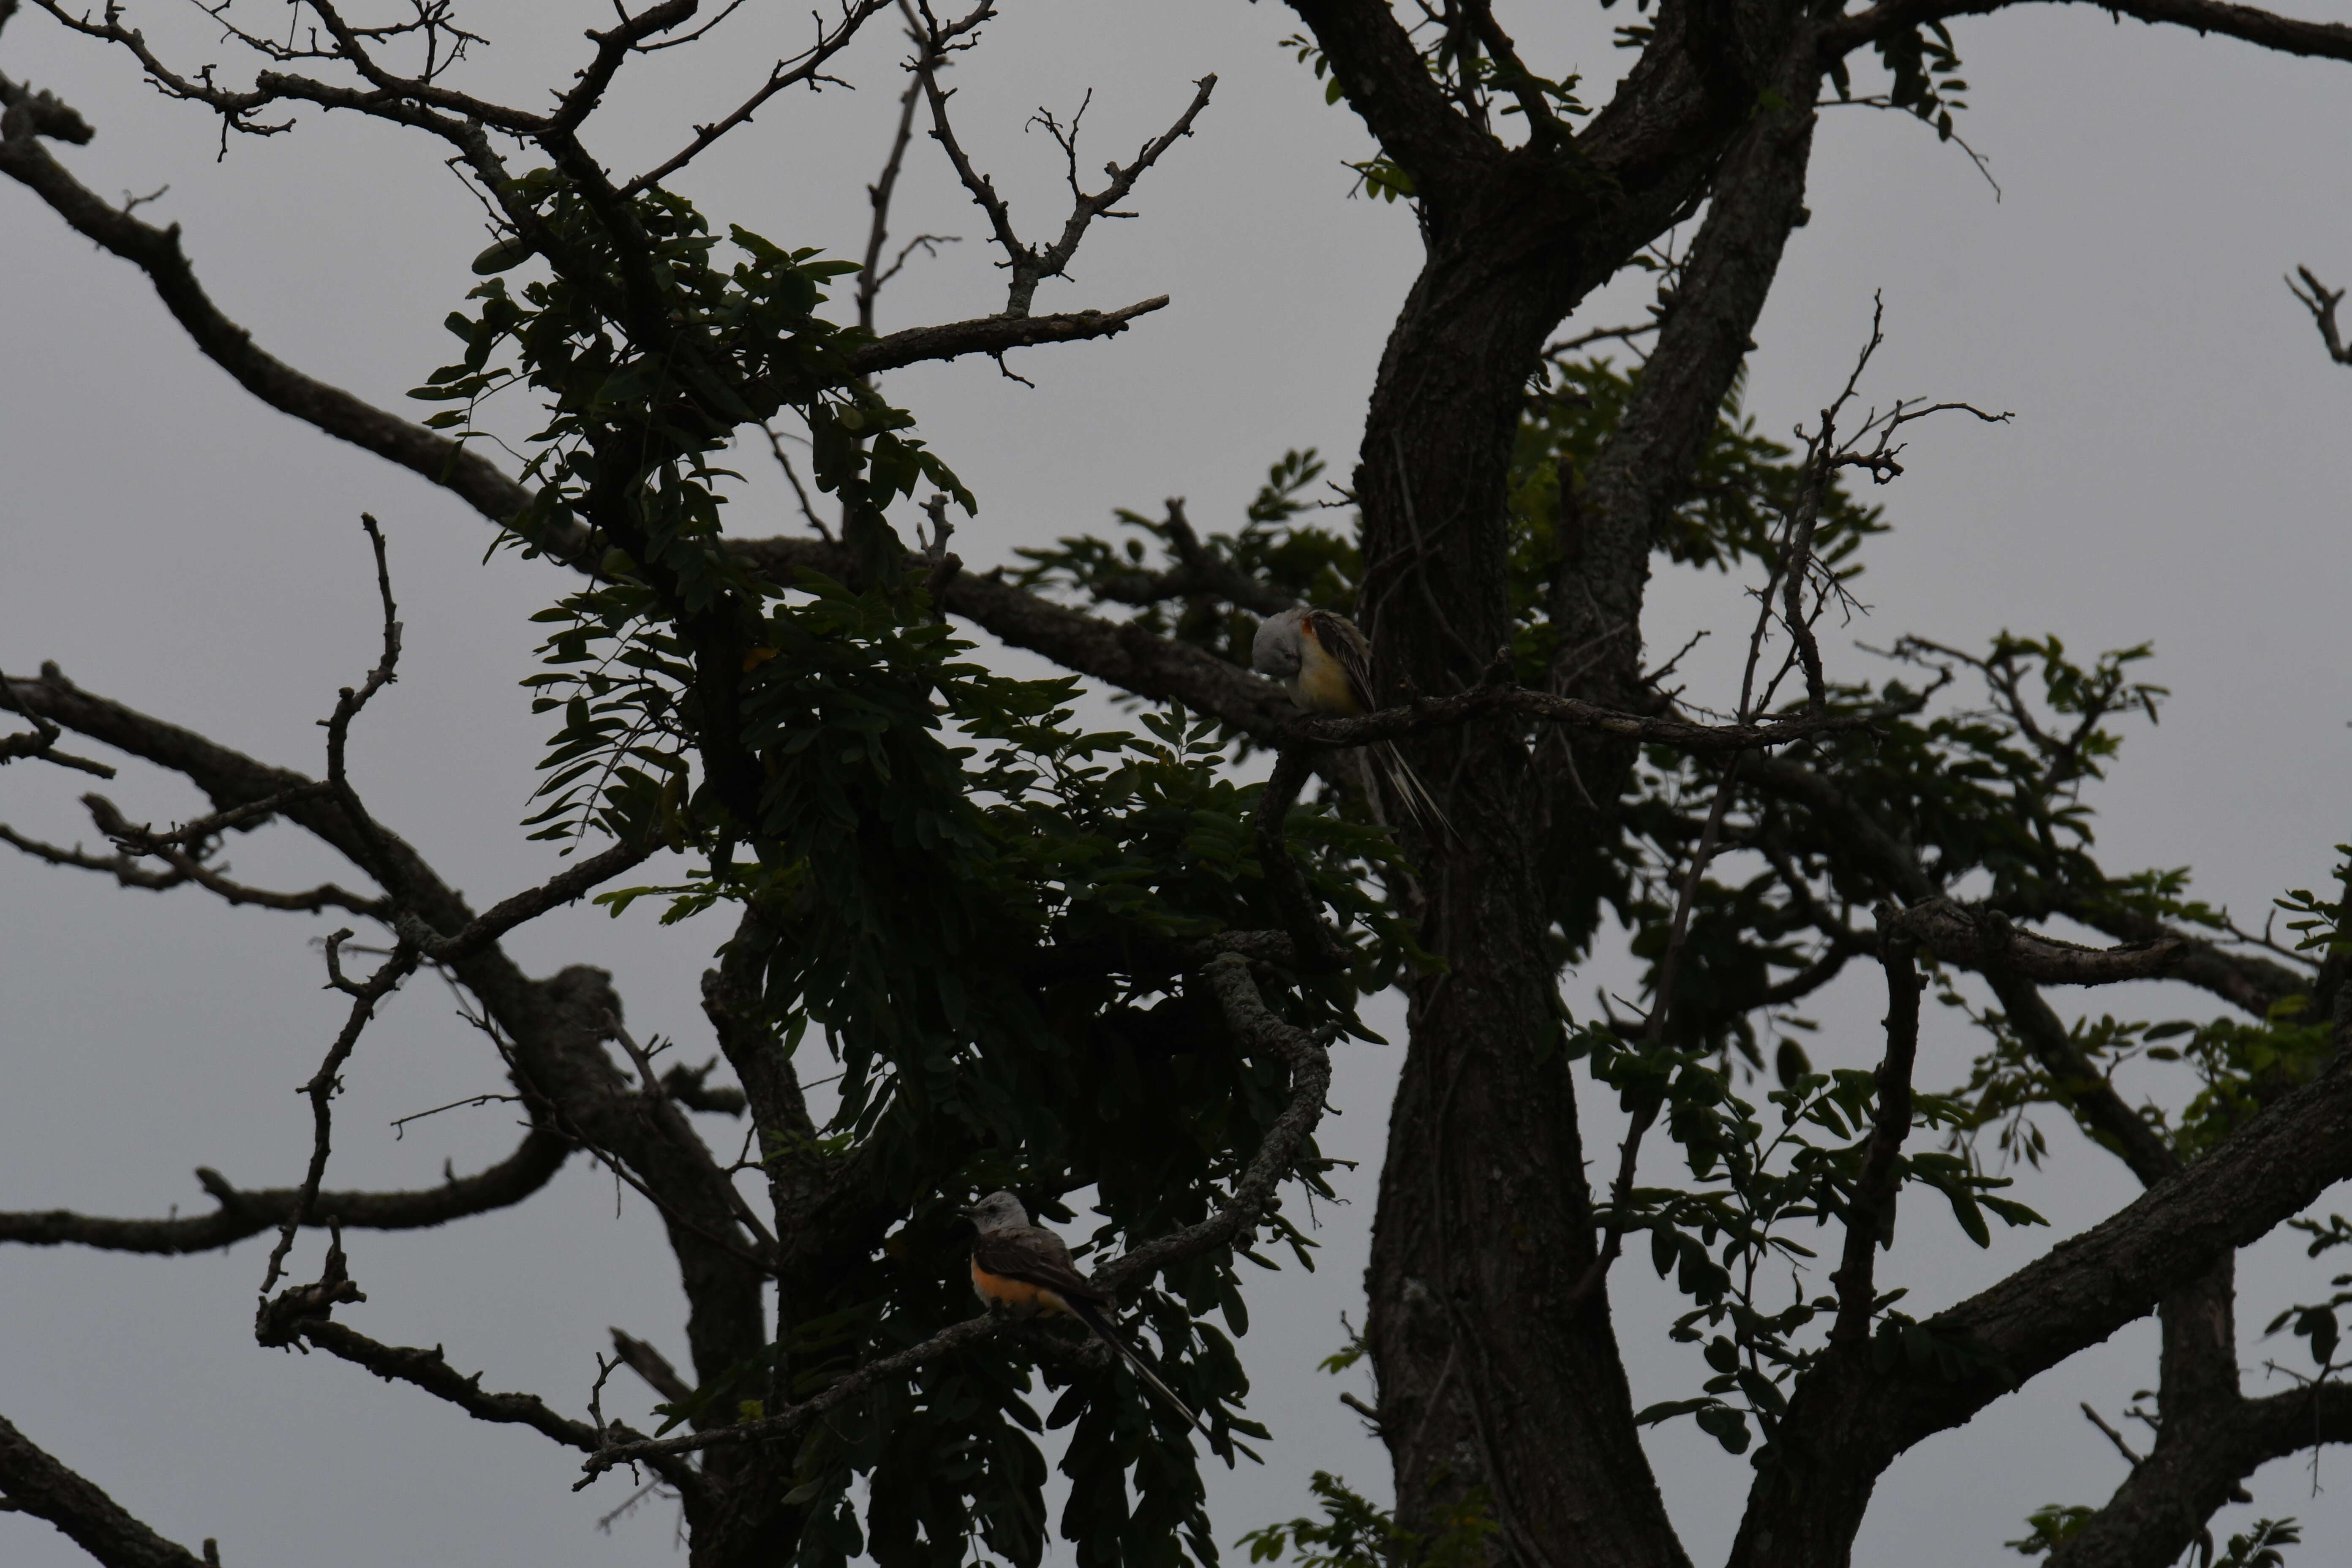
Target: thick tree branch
(1981, 940)
(2247, 981)
(1390, 89)
(2266, 29)
(653, 1366)
(2154, 1518)
(1849, 1418)
(243, 1213)
(157, 252)
(35, 1483)
(1124, 655)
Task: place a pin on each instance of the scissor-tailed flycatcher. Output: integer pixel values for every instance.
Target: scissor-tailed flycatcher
(1326, 666)
(1026, 1270)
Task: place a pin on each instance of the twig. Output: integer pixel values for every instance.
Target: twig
(805, 67)
(2321, 302)
(529, 904)
(871, 278)
(348, 704)
(41, 744)
(1031, 265)
(2113, 1436)
(327, 1079)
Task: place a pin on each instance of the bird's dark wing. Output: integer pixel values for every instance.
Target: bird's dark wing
(1345, 644)
(1034, 1257)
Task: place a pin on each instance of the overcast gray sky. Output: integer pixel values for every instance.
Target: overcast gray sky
(2174, 474)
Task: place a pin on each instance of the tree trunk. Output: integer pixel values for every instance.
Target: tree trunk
(1487, 1393)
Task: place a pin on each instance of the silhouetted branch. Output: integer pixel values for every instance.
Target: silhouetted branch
(34, 1482)
(301, 1316)
(805, 67)
(2321, 302)
(244, 1213)
(2286, 35)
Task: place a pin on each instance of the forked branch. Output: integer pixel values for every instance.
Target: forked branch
(1031, 265)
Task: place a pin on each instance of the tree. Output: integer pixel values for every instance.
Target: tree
(1066, 962)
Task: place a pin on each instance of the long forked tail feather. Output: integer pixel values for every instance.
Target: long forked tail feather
(1094, 1320)
(1413, 792)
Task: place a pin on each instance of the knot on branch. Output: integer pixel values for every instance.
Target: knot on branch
(282, 1320)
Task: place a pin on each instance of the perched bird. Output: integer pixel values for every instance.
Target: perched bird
(1326, 666)
(1026, 1270)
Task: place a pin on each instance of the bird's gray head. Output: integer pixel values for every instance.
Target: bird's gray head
(1275, 652)
(998, 1211)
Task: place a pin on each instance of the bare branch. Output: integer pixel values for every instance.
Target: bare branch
(243, 1213)
(807, 68)
(300, 1316)
(1050, 261)
(2286, 35)
(37, 1484)
(991, 335)
(186, 866)
(528, 905)
(142, 838)
(613, 47)
(870, 277)
(157, 252)
(2321, 302)
(1031, 265)
(27, 113)
(323, 1084)
(41, 744)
